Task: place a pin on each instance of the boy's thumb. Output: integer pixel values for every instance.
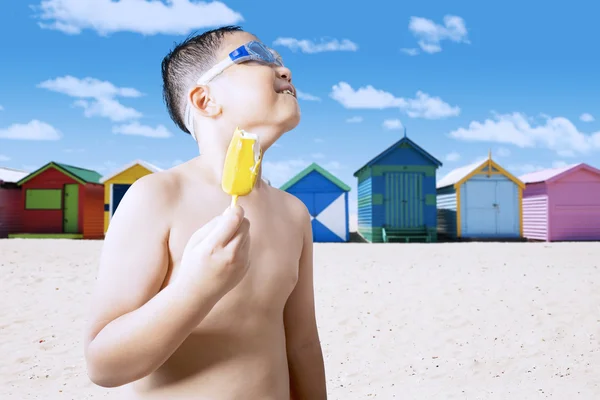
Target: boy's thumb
(227, 226)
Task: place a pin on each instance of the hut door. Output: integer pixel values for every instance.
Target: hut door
(507, 208)
(404, 200)
(118, 191)
(71, 208)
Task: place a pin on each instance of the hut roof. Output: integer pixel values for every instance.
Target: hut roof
(458, 176)
(145, 164)
(315, 167)
(387, 151)
(552, 174)
(81, 175)
(11, 175)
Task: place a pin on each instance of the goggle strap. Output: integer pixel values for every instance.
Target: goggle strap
(215, 70)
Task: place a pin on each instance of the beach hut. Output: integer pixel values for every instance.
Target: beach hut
(480, 201)
(396, 194)
(10, 200)
(326, 198)
(61, 201)
(562, 204)
(117, 183)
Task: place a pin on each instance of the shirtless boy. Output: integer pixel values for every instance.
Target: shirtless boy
(194, 299)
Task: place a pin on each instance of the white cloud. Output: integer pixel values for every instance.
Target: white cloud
(453, 156)
(392, 124)
(430, 34)
(107, 108)
(137, 129)
(354, 120)
(558, 134)
(148, 17)
(33, 130)
(306, 96)
(310, 47)
(585, 117)
(365, 97)
(422, 106)
(4, 158)
(90, 88)
(410, 52)
(280, 172)
(96, 97)
(503, 152)
(318, 155)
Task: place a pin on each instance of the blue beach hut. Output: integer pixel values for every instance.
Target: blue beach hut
(326, 198)
(396, 194)
(480, 201)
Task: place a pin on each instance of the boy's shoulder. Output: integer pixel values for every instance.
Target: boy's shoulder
(156, 189)
(293, 206)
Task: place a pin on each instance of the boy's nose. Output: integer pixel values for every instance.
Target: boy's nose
(284, 73)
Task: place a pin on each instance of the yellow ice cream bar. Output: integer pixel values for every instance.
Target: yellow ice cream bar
(241, 164)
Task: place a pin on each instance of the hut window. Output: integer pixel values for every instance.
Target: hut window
(43, 199)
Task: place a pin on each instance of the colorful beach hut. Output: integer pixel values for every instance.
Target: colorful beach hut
(396, 194)
(117, 183)
(562, 204)
(61, 201)
(326, 198)
(10, 200)
(480, 201)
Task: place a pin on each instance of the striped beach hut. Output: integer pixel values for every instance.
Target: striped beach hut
(480, 201)
(61, 201)
(326, 198)
(562, 204)
(10, 200)
(396, 194)
(117, 183)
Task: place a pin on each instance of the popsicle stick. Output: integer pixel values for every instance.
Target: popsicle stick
(234, 200)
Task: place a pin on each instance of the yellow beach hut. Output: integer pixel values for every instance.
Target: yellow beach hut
(117, 183)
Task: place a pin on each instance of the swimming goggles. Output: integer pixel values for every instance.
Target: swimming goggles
(251, 51)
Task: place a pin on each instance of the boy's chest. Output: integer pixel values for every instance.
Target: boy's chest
(275, 247)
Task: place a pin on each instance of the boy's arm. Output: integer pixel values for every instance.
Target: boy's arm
(133, 328)
(305, 357)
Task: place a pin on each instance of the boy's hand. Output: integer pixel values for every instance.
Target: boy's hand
(216, 257)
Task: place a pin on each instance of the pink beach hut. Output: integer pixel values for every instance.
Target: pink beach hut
(562, 204)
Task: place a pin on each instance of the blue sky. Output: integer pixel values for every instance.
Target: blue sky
(80, 81)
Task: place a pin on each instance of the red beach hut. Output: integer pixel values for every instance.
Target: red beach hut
(10, 200)
(62, 201)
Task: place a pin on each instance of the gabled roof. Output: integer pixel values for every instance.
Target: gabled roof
(315, 167)
(387, 151)
(145, 164)
(81, 175)
(553, 174)
(458, 176)
(11, 175)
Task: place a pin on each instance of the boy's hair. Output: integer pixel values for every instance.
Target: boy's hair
(185, 64)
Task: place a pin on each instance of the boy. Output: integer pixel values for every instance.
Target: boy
(192, 302)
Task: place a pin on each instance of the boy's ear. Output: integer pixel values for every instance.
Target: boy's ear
(201, 100)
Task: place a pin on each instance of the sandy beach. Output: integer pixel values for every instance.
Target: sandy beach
(416, 321)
